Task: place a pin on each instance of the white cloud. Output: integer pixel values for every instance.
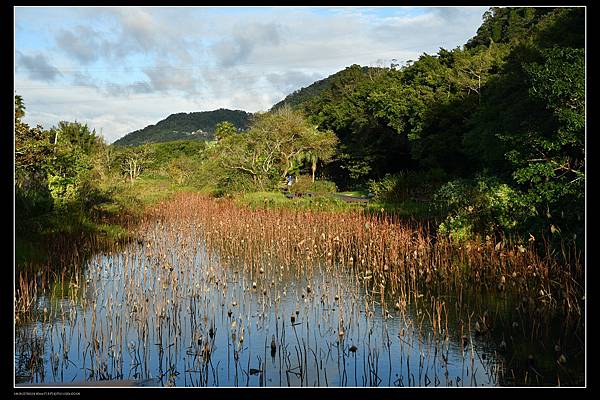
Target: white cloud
(125, 68)
(237, 49)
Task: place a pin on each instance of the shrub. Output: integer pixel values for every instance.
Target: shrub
(181, 169)
(304, 183)
(484, 206)
(407, 185)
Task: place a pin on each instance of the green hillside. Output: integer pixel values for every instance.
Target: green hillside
(300, 98)
(188, 126)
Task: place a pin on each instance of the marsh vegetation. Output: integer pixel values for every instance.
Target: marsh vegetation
(213, 294)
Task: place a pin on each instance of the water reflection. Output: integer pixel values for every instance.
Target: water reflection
(180, 315)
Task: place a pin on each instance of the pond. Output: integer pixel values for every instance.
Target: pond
(177, 307)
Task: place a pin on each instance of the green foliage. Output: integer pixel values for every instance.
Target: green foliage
(440, 142)
(304, 184)
(508, 25)
(561, 27)
(76, 135)
(132, 161)
(549, 158)
(369, 143)
(484, 206)
(407, 185)
(56, 183)
(161, 155)
(32, 197)
(277, 144)
(181, 169)
(224, 129)
(186, 126)
(31, 207)
(19, 107)
(473, 68)
(52, 167)
(69, 166)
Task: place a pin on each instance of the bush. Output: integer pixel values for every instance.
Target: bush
(181, 169)
(407, 185)
(484, 206)
(304, 183)
(31, 207)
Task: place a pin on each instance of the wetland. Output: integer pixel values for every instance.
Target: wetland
(210, 293)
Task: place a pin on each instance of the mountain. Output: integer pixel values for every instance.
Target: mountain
(302, 97)
(190, 126)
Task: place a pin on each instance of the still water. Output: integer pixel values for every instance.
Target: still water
(168, 312)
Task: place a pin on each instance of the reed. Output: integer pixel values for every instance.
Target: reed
(203, 289)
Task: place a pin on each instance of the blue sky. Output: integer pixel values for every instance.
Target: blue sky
(119, 69)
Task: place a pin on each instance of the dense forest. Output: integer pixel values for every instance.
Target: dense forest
(500, 122)
(487, 138)
(185, 126)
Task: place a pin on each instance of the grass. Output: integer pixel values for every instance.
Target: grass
(409, 209)
(357, 193)
(147, 190)
(277, 200)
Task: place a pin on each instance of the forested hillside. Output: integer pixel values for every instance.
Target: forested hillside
(186, 126)
(500, 119)
(308, 93)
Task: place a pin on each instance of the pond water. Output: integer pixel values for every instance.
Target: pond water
(167, 311)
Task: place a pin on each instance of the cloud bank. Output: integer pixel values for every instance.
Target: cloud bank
(121, 68)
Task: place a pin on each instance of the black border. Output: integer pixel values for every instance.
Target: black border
(260, 393)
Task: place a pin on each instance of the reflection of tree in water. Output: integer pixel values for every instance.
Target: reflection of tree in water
(61, 276)
(29, 356)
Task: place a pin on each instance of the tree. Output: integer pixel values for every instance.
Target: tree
(76, 134)
(133, 160)
(321, 148)
(224, 129)
(549, 158)
(362, 110)
(103, 159)
(32, 149)
(245, 154)
(474, 67)
(180, 169)
(32, 158)
(276, 143)
(290, 137)
(508, 24)
(19, 107)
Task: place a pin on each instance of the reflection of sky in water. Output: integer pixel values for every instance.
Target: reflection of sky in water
(148, 326)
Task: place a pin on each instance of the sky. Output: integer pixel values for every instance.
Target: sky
(119, 69)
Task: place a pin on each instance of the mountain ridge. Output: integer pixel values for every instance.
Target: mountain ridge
(197, 125)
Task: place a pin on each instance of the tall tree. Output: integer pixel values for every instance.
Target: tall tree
(273, 146)
(549, 157)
